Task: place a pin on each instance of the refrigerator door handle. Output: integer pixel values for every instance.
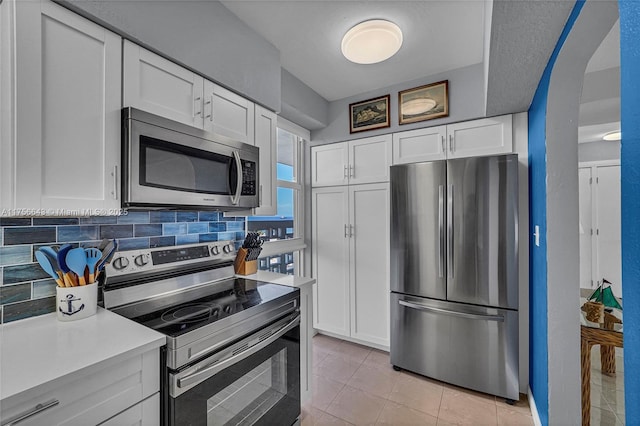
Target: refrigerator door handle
(425, 308)
(440, 230)
(450, 231)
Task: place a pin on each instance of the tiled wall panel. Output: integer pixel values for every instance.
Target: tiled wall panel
(25, 290)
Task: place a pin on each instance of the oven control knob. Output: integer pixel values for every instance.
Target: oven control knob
(141, 260)
(120, 263)
(215, 250)
(228, 248)
(227, 309)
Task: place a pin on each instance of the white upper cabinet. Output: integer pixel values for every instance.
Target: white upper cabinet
(159, 86)
(266, 140)
(228, 114)
(474, 138)
(414, 146)
(480, 137)
(358, 161)
(65, 151)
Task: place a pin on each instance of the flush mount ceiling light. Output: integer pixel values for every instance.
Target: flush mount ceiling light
(372, 41)
(612, 136)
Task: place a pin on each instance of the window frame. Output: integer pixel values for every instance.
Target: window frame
(295, 244)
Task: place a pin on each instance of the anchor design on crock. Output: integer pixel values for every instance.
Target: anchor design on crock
(70, 298)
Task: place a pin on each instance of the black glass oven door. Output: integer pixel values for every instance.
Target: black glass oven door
(255, 381)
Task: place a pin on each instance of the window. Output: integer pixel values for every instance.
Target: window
(283, 233)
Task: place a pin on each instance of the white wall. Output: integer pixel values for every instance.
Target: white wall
(598, 151)
(466, 102)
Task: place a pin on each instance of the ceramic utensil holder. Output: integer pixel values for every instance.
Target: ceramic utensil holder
(243, 266)
(74, 303)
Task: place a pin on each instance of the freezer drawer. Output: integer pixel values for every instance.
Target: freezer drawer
(469, 346)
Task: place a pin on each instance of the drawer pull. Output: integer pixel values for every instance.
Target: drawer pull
(36, 410)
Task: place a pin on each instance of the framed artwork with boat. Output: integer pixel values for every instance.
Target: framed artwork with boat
(370, 114)
(424, 102)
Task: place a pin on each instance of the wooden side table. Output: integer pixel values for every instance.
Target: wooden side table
(608, 339)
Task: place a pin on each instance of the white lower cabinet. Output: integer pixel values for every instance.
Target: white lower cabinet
(92, 397)
(351, 261)
(145, 413)
(64, 74)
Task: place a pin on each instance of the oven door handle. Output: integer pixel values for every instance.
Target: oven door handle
(236, 196)
(221, 365)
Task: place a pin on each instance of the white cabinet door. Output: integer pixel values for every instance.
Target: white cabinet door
(369, 258)
(67, 142)
(330, 164)
(608, 238)
(370, 159)
(585, 227)
(228, 114)
(266, 140)
(145, 413)
(159, 86)
(480, 137)
(414, 146)
(330, 210)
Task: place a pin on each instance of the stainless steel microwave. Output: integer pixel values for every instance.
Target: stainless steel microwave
(172, 165)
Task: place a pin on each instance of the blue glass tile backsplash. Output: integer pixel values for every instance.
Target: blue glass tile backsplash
(26, 291)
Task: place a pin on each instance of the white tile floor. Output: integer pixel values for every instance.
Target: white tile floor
(356, 385)
(607, 392)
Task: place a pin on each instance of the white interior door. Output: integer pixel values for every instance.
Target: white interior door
(586, 225)
(608, 227)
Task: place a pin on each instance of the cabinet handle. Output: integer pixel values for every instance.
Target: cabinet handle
(352, 171)
(209, 102)
(114, 173)
(198, 104)
(346, 173)
(351, 231)
(260, 196)
(35, 410)
(443, 143)
(451, 143)
(346, 230)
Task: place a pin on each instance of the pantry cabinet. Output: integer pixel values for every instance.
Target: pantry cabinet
(351, 261)
(473, 138)
(600, 225)
(358, 161)
(61, 152)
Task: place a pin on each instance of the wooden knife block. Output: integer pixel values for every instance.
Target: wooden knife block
(243, 267)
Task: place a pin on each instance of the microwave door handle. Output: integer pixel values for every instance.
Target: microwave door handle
(236, 196)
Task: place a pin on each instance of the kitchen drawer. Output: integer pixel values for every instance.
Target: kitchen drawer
(89, 397)
(145, 413)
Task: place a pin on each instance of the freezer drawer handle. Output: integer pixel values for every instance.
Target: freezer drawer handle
(420, 307)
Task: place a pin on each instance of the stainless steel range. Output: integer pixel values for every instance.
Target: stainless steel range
(233, 344)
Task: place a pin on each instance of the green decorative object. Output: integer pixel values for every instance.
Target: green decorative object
(605, 296)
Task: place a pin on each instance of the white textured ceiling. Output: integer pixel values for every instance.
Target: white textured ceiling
(438, 36)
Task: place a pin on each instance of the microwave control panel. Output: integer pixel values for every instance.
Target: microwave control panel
(248, 177)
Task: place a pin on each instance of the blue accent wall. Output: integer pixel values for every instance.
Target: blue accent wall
(538, 347)
(630, 175)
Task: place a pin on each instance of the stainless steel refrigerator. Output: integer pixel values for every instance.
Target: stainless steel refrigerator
(454, 271)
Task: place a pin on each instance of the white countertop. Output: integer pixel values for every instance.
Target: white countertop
(37, 350)
(275, 278)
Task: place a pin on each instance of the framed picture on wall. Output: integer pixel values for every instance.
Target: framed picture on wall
(424, 102)
(370, 114)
